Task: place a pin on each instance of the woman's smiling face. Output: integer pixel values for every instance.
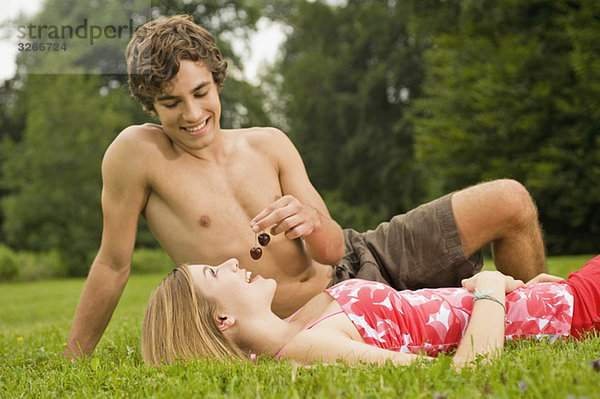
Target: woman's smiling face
(233, 289)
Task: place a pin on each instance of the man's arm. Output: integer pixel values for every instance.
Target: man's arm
(100, 296)
(301, 212)
(123, 196)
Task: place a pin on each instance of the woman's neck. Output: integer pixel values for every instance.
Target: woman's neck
(267, 334)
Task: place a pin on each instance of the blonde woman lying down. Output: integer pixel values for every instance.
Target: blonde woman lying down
(225, 312)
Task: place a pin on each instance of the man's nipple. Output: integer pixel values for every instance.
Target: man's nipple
(205, 221)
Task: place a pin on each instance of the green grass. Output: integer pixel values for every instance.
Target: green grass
(557, 265)
(35, 318)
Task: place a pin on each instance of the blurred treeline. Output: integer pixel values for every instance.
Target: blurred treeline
(390, 103)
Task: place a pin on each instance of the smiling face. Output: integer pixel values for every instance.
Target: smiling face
(180, 324)
(189, 107)
(234, 290)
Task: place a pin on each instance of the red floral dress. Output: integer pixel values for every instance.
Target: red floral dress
(434, 320)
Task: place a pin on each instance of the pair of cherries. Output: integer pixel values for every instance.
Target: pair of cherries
(263, 239)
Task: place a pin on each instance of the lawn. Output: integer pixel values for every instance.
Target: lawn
(35, 318)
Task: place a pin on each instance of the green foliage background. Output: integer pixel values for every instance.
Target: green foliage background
(510, 92)
(391, 103)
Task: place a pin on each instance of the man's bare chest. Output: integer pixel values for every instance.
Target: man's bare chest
(207, 195)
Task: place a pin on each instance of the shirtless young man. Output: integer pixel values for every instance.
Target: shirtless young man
(205, 191)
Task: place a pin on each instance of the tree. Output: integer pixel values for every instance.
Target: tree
(53, 173)
(509, 94)
(349, 76)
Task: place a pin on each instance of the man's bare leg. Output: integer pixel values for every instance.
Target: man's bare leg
(503, 213)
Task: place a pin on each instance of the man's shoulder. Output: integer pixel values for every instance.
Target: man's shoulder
(256, 131)
(262, 138)
(146, 132)
(136, 142)
(139, 137)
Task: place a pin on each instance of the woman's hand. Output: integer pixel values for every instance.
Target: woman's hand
(484, 334)
(486, 279)
(544, 278)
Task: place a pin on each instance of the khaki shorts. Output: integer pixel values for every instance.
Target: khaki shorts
(415, 250)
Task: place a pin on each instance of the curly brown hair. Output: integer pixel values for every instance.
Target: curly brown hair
(157, 49)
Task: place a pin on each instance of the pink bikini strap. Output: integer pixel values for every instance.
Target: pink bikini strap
(278, 354)
(293, 315)
(324, 317)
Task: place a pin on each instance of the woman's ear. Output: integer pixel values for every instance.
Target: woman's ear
(224, 322)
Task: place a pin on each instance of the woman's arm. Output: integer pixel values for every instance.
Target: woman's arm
(329, 345)
(485, 332)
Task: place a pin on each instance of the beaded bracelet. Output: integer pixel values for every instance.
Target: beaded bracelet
(486, 295)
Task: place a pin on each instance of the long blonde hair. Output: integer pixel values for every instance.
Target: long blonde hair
(179, 324)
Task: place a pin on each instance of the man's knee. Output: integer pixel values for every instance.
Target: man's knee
(515, 202)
